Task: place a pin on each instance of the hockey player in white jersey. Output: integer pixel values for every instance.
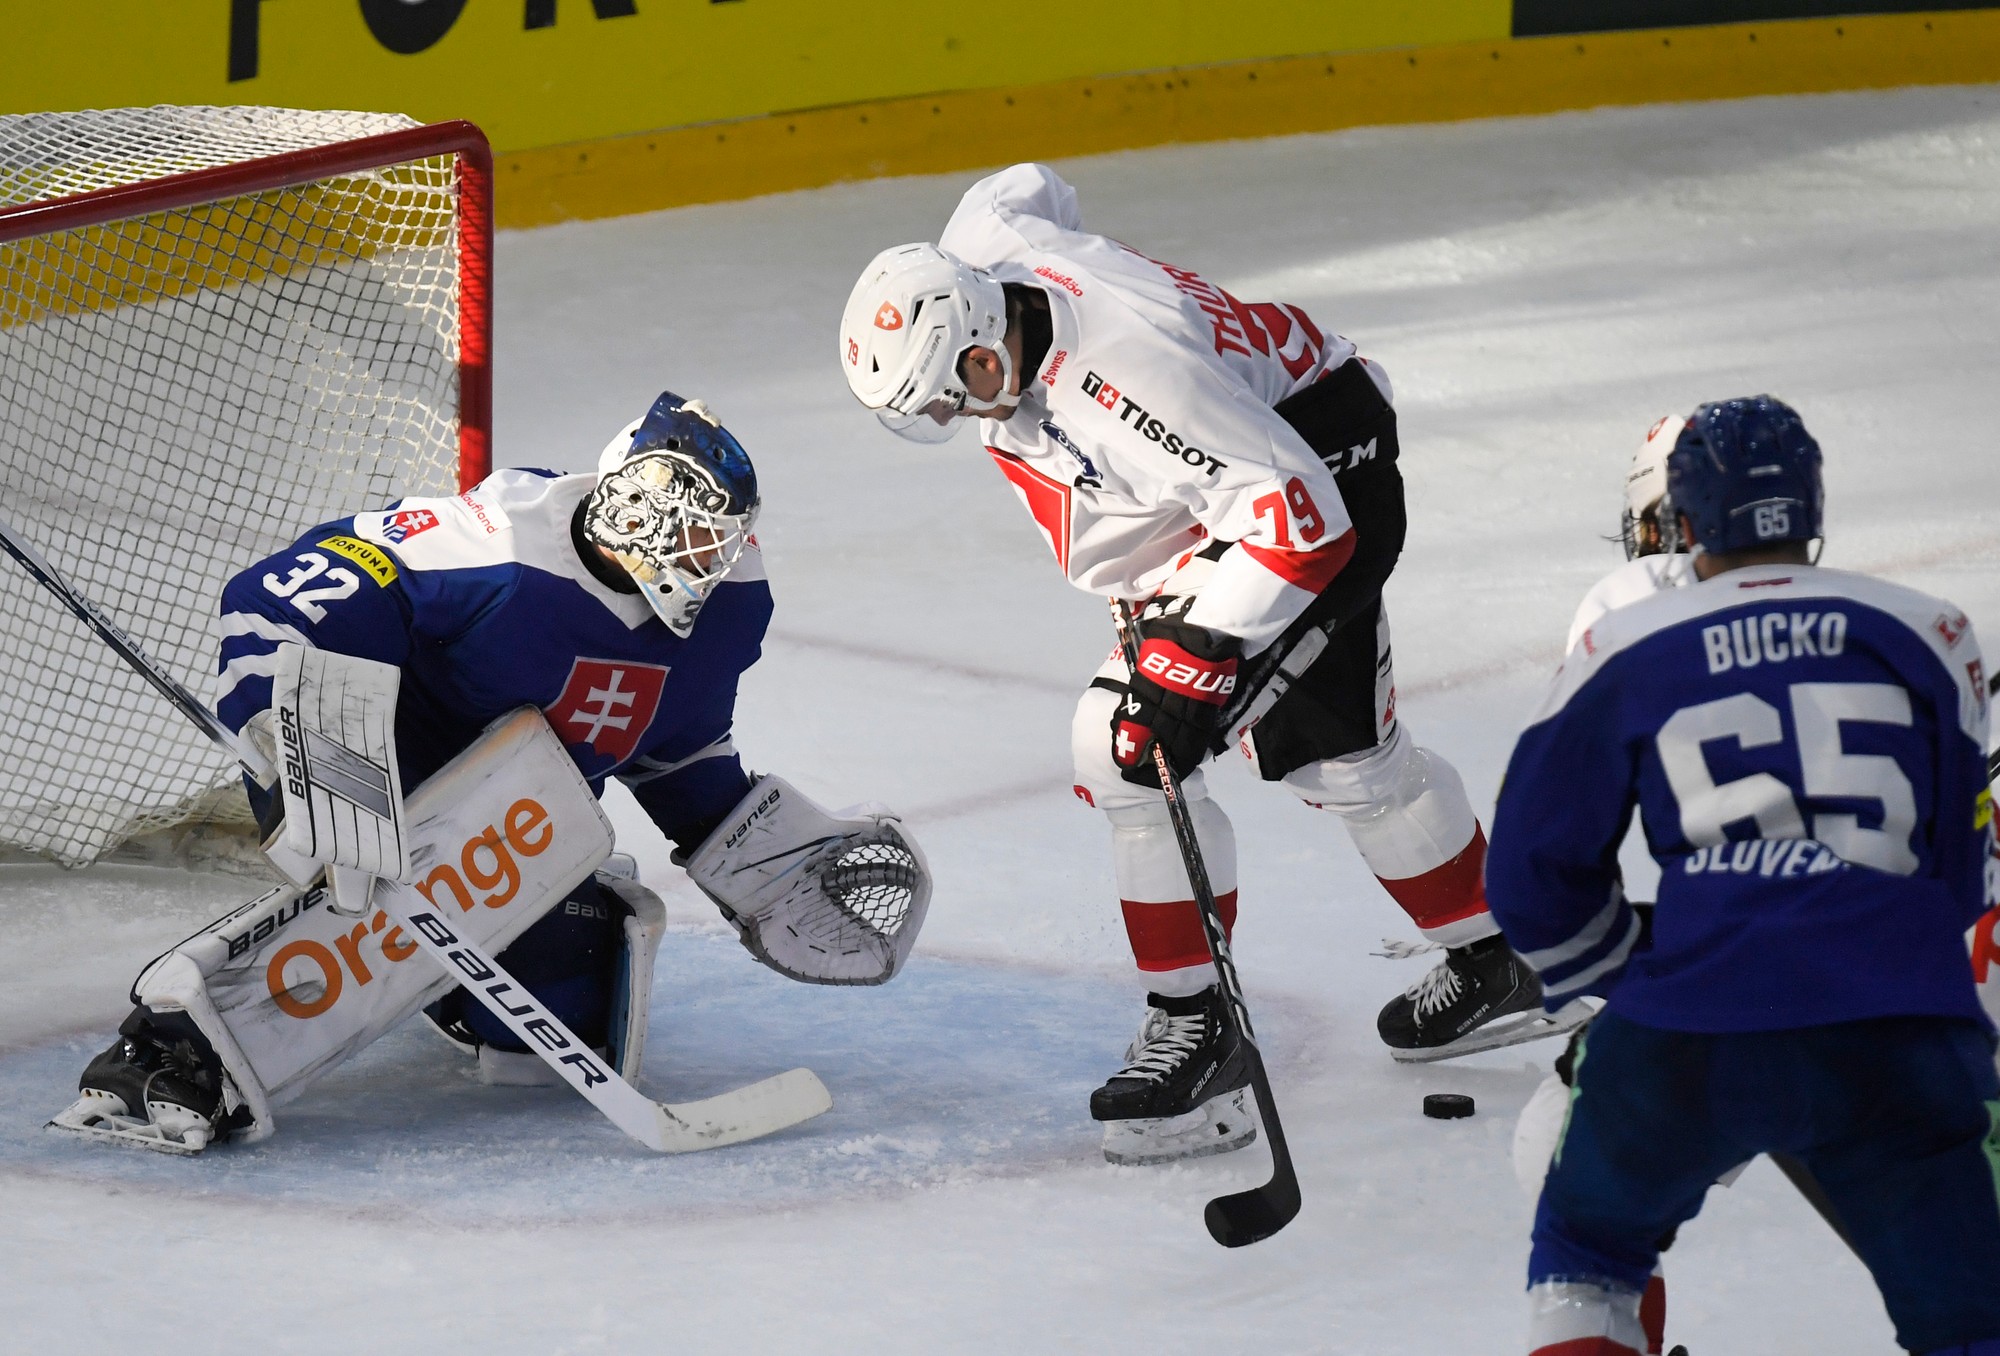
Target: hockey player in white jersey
(525, 640)
(1232, 467)
(1655, 556)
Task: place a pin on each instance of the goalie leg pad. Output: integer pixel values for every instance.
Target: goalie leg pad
(284, 989)
(590, 961)
(818, 897)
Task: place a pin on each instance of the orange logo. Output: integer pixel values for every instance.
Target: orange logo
(525, 829)
(853, 354)
(888, 318)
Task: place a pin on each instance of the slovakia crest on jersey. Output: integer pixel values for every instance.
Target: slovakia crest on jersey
(408, 523)
(606, 705)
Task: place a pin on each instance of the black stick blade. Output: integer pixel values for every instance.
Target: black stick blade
(1254, 1215)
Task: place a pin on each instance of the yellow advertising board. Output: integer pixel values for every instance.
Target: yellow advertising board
(539, 73)
(601, 107)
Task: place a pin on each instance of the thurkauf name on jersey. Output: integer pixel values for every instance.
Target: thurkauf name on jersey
(1129, 411)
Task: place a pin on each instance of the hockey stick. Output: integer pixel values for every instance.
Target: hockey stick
(1244, 1216)
(744, 1113)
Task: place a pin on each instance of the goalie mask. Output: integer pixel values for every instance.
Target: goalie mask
(675, 501)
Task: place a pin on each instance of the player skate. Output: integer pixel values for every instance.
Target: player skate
(1181, 1092)
(1479, 997)
(159, 1086)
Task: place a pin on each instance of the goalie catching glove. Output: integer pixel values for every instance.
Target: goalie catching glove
(1186, 675)
(822, 898)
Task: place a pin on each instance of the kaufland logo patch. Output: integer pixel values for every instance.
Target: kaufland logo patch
(606, 706)
(408, 523)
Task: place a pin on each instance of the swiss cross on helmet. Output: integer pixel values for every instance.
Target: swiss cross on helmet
(913, 313)
(1747, 475)
(675, 501)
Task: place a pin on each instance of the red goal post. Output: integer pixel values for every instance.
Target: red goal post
(218, 327)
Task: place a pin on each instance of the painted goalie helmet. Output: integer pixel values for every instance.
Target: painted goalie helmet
(675, 502)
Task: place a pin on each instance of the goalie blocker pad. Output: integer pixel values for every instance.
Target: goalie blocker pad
(335, 728)
(285, 989)
(818, 897)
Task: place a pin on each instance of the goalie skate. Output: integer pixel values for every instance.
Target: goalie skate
(167, 1128)
(1217, 1126)
(156, 1088)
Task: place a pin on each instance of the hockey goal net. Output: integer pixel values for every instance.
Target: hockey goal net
(218, 326)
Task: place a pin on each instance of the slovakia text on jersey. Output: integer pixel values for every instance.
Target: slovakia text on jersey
(1806, 749)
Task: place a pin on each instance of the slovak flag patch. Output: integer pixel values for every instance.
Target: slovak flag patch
(607, 705)
(407, 523)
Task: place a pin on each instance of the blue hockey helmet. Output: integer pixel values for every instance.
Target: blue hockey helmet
(1747, 475)
(675, 502)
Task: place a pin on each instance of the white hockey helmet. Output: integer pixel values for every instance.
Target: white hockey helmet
(1647, 526)
(912, 314)
(675, 501)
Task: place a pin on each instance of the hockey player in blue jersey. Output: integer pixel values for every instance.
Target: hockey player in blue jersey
(624, 606)
(1806, 749)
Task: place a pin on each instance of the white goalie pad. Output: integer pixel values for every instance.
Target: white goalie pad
(285, 989)
(335, 718)
(818, 897)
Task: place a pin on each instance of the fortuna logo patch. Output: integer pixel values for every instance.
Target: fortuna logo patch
(380, 568)
(408, 523)
(888, 318)
(1130, 412)
(607, 705)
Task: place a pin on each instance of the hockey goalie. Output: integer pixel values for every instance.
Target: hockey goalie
(444, 686)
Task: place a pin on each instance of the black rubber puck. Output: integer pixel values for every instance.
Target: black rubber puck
(1447, 1106)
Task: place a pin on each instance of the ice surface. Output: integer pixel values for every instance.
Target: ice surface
(1539, 290)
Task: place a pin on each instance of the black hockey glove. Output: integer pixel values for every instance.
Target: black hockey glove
(1186, 675)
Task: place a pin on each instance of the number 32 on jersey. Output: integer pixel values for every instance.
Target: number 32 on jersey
(316, 581)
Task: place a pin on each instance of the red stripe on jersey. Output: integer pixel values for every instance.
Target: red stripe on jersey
(1310, 570)
(1586, 1346)
(1169, 936)
(1047, 499)
(1445, 894)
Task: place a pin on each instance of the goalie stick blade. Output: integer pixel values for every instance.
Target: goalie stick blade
(743, 1114)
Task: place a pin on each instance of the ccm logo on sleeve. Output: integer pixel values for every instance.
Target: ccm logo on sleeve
(1129, 411)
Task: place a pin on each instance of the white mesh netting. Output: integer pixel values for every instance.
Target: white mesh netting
(182, 393)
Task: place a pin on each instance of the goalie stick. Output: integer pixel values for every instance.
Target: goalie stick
(1242, 1217)
(744, 1113)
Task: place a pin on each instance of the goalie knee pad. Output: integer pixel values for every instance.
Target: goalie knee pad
(589, 961)
(818, 897)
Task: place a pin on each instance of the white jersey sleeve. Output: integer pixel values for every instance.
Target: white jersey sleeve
(1635, 579)
(1148, 430)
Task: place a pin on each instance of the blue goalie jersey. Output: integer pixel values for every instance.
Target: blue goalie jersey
(484, 601)
(1806, 750)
